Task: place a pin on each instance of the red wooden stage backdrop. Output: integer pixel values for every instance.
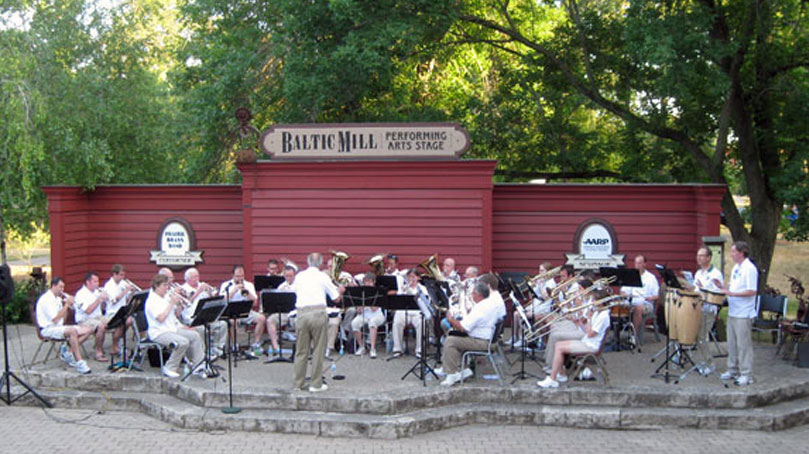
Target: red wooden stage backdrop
(412, 209)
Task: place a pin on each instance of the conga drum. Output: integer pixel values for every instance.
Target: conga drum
(711, 297)
(688, 316)
(669, 310)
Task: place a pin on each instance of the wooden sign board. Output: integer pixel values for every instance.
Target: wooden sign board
(365, 141)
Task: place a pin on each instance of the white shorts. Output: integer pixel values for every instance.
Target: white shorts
(647, 307)
(53, 332)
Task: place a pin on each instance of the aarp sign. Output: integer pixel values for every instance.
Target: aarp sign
(595, 246)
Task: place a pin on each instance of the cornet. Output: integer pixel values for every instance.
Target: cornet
(132, 284)
(177, 290)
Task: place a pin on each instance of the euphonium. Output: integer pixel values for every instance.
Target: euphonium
(338, 260)
(431, 267)
(377, 263)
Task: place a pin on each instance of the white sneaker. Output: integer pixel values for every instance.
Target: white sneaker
(322, 388)
(561, 378)
(169, 373)
(548, 383)
(727, 375)
(440, 372)
(328, 352)
(82, 367)
(466, 373)
(360, 352)
(744, 380)
(373, 353)
(518, 344)
(451, 379)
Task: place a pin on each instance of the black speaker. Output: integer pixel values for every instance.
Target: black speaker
(803, 355)
(6, 285)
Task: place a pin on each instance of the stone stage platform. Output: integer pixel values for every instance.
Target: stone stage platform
(373, 401)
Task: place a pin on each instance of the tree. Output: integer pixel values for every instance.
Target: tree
(82, 101)
(719, 80)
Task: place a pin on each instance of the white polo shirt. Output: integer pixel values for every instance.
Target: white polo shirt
(743, 277)
(479, 322)
(312, 286)
(48, 305)
(84, 299)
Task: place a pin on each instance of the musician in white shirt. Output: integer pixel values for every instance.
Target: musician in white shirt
(51, 312)
(741, 293)
(710, 278)
(642, 298)
(476, 329)
(402, 318)
(448, 270)
(240, 289)
(373, 316)
(196, 291)
(118, 289)
(89, 301)
(166, 330)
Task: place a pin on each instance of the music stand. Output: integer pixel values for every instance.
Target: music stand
(516, 290)
(363, 296)
(208, 311)
(262, 282)
(438, 302)
(388, 282)
(236, 310)
(410, 303)
(118, 320)
(278, 303)
(136, 303)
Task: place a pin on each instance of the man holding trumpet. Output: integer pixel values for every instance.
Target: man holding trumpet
(51, 310)
(239, 289)
(89, 300)
(118, 288)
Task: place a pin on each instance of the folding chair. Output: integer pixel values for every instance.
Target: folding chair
(142, 341)
(771, 310)
(42, 340)
(493, 351)
(579, 362)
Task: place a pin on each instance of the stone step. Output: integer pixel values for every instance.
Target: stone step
(577, 394)
(184, 414)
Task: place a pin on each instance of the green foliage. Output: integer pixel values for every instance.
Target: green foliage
(26, 292)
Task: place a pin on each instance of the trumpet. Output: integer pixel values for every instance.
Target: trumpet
(66, 299)
(133, 285)
(565, 284)
(177, 290)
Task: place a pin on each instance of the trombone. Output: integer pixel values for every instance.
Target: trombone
(563, 314)
(550, 274)
(565, 284)
(562, 306)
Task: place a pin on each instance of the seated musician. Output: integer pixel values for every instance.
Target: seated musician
(274, 268)
(642, 299)
(196, 291)
(493, 283)
(448, 270)
(476, 330)
(594, 327)
(409, 317)
(373, 316)
(288, 286)
(166, 330)
(565, 329)
(51, 310)
(538, 306)
(118, 289)
(239, 289)
(89, 301)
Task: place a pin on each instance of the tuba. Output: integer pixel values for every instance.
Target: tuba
(431, 267)
(338, 260)
(377, 263)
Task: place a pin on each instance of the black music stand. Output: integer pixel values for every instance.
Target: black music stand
(438, 303)
(137, 303)
(234, 311)
(388, 282)
(279, 303)
(118, 320)
(624, 277)
(518, 296)
(409, 303)
(262, 282)
(208, 311)
(364, 296)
